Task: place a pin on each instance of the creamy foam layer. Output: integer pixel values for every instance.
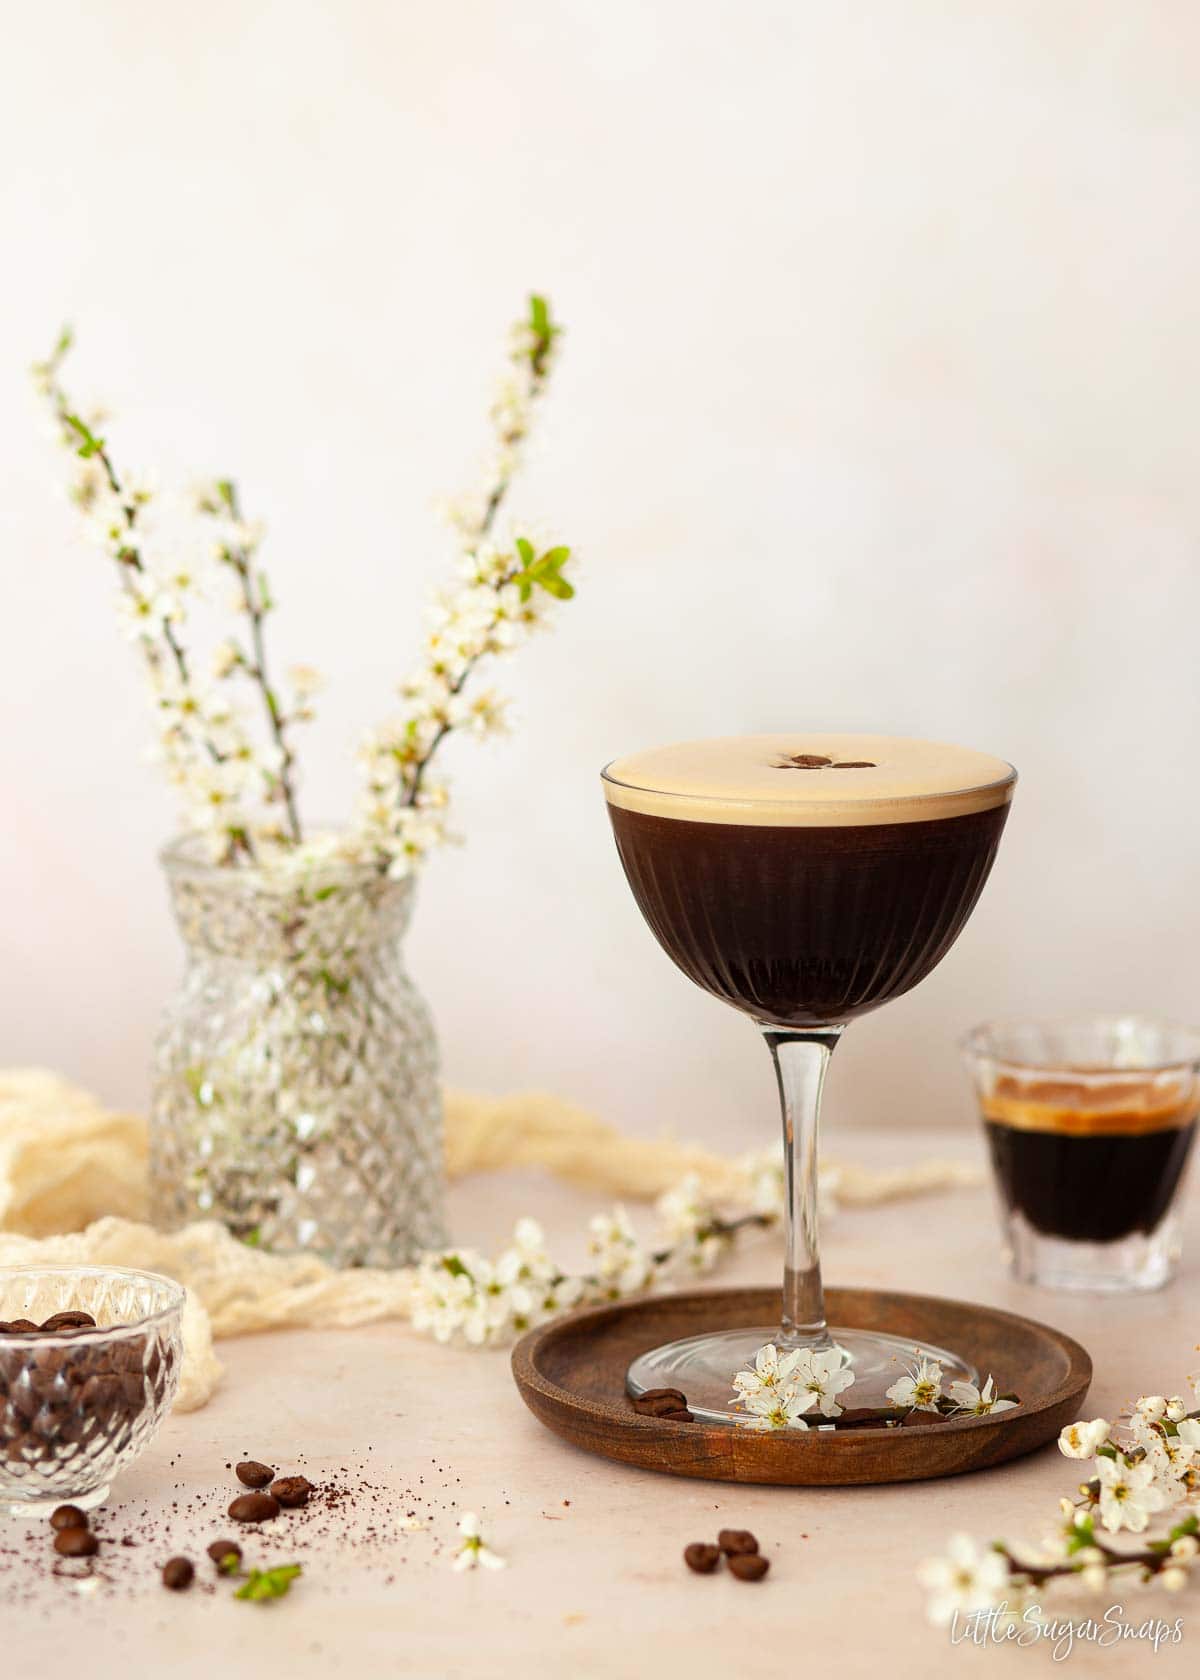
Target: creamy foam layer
(773, 781)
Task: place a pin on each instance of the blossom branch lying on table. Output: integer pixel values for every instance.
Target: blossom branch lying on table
(459, 1295)
(1146, 1466)
(238, 783)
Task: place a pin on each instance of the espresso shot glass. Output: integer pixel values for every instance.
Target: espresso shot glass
(1090, 1124)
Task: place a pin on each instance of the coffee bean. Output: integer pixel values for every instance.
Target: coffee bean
(68, 1516)
(659, 1404)
(735, 1542)
(810, 761)
(254, 1508)
(855, 764)
(70, 1321)
(676, 1394)
(748, 1566)
(226, 1554)
(702, 1558)
(20, 1327)
(178, 1574)
(292, 1490)
(253, 1474)
(76, 1542)
(679, 1415)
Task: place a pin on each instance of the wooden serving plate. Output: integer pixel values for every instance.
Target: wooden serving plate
(571, 1374)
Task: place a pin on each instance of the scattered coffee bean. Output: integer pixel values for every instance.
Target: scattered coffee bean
(76, 1542)
(252, 1474)
(226, 1554)
(254, 1508)
(178, 1574)
(748, 1566)
(810, 761)
(20, 1327)
(68, 1516)
(701, 1558)
(855, 764)
(292, 1490)
(658, 1402)
(737, 1542)
(70, 1321)
(679, 1415)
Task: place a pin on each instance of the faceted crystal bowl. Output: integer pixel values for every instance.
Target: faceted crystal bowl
(77, 1406)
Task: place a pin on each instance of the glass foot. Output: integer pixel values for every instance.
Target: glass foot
(42, 1507)
(704, 1366)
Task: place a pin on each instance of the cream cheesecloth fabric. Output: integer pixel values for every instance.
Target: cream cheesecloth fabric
(73, 1188)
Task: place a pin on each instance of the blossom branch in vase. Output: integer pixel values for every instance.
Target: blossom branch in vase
(239, 790)
(502, 599)
(236, 547)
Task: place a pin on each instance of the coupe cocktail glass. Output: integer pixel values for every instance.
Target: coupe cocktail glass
(805, 879)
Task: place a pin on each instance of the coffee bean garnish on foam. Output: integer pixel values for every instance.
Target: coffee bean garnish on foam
(817, 761)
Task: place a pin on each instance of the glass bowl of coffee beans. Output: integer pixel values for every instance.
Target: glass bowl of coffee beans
(89, 1365)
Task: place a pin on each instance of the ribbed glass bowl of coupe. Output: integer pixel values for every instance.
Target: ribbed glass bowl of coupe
(805, 880)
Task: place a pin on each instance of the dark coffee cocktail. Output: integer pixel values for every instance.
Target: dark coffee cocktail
(806, 925)
(804, 880)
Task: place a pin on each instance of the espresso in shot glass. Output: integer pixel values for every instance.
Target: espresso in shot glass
(1090, 1125)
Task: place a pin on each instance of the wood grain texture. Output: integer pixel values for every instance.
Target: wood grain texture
(571, 1375)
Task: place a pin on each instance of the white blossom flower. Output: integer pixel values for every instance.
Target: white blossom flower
(622, 1264)
(920, 1388)
(1176, 1408)
(969, 1578)
(980, 1401)
(306, 680)
(1186, 1546)
(1173, 1578)
(227, 656)
(1170, 1458)
(772, 1373)
(1093, 1577)
(474, 1552)
(822, 1374)
(776, 1410)
(1152, 1407)
(1081, 1440)
(442, 1292)
(1188, 1431)
(1129, 1494)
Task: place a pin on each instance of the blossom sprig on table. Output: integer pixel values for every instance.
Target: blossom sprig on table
(238, 781)
(460, 1295)
(1144, 1467)
(474, 1551)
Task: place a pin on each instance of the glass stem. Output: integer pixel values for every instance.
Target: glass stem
(801, 1059)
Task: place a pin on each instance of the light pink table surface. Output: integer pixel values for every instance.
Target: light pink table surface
(595, 1583)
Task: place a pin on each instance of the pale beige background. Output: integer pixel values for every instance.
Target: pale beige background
(878, 410)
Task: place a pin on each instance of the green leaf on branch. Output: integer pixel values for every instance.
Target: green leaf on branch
(263, 1584)
(90, 444)
(543, 331)
(63, 343)
(543, 572)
